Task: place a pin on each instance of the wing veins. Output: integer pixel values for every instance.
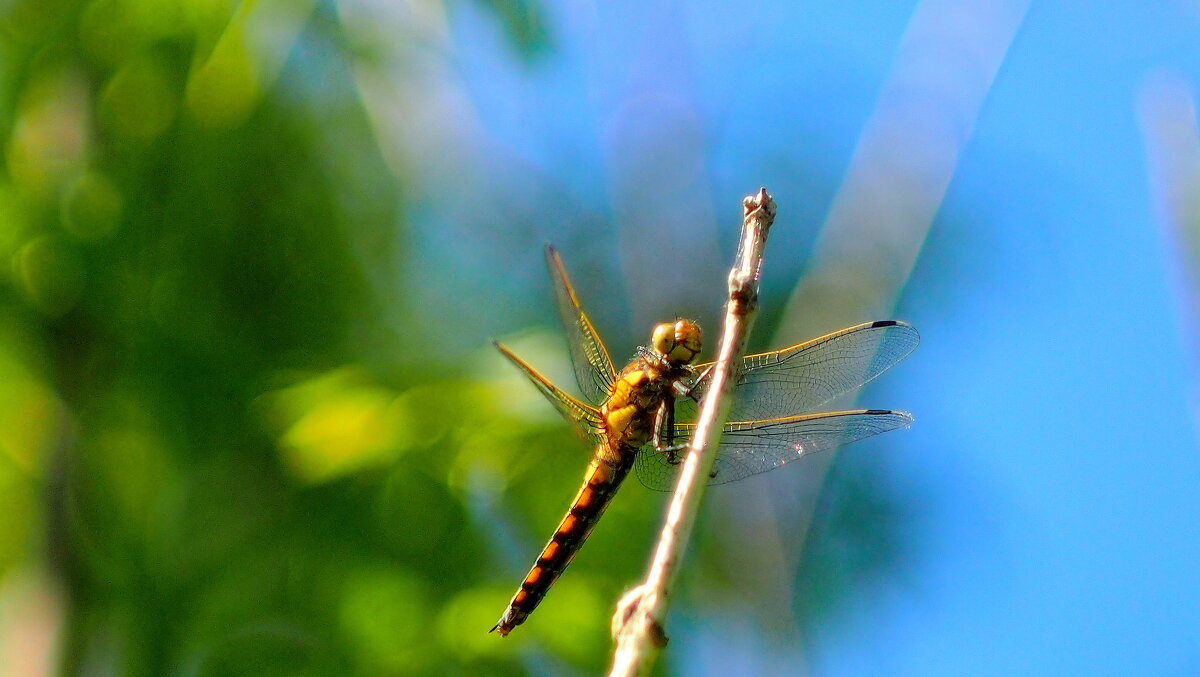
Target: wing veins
(589, 357)
(802, 377)
(753, 447)
(585, 418)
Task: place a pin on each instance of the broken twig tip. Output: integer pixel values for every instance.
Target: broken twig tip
(760, 200)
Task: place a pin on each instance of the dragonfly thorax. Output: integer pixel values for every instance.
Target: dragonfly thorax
(676, 342)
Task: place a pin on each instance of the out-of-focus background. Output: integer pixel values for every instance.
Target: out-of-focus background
(253, 254)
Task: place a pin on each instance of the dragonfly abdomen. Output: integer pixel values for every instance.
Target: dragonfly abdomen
(600, 484)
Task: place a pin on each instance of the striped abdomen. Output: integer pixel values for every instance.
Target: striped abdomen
(600, 484)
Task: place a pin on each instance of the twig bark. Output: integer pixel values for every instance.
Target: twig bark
(638, 622)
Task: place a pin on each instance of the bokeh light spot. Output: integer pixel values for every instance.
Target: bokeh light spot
(223, 92)
(113, 29)
(14, 222)
(384, 614)
(29, 418)
(52, 131)
(140, 101)
(91, 207)
(337, 423)
(134, 457)
(463, 622)
(51, 274)
(575, 610)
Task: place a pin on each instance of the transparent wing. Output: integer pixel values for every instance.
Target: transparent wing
(585, 419)
(752, 447)
(593, 366)
(801, 378)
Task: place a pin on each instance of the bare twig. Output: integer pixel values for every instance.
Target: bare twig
(638, 623)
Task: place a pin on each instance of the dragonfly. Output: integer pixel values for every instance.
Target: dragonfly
(636, 418)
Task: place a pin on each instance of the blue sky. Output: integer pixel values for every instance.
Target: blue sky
(1055, 453)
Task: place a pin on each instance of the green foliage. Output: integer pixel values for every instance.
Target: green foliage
(217, 439)
(225, 486)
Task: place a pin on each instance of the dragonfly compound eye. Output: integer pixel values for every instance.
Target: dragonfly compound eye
(663, 339)
(687, 342)
(678, 342)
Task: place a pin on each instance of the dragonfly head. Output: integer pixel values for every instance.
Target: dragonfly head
(677, 342)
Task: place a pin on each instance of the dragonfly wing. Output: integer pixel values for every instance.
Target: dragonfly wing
(593, 367)
(585, 418)
(753, 447)
(802, 377)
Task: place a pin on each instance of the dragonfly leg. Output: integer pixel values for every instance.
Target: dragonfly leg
(672, 452)
(664, 433)
(690, 391)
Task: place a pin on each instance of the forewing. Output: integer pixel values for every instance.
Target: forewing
(752, 447)
(593, 366)
(585, 419)
(801, 378)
